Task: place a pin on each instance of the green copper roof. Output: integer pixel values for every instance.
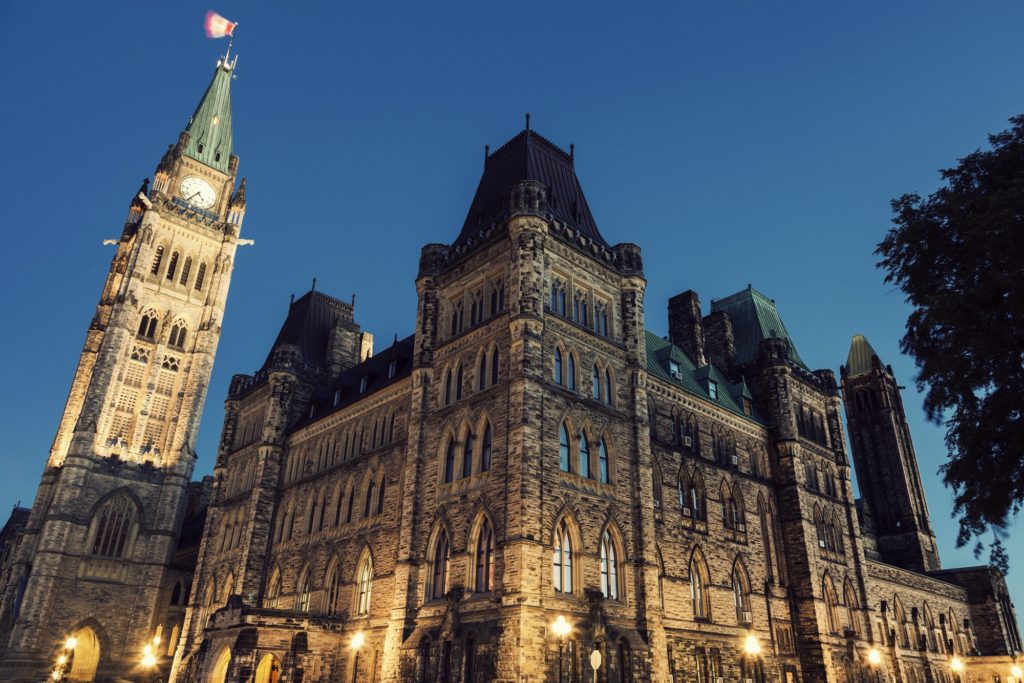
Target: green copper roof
(754, 318)
(690, 378)
(859, 360)
(209, 128)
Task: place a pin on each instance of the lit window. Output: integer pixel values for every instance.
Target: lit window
(562, 560)
(609, 568)
(392, 368)
(362, 384)
(365, 587)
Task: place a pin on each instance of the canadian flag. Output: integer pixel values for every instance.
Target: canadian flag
(217, 26)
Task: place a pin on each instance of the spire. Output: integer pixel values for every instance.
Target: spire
(209, 129)
(238, 199)
(860, 360)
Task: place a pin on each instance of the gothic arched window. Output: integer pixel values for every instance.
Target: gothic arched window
(603, 468)
(114, 522)
(595, 381)
(571, 379)
(157, 258)
(172, 265)
(608, 395)
(485, 450)
(609, 567)
(494, 366)
(557, 368)
(562, 559)
(177, 337)
(484, 558)
(380, 495)
(447, 386)
(333, 585)
(305, 589)
(273, 591)
(584, 456)
(449, 461)
(365, 586)
(563, 448)
(740, 595)
(458, 384)
(185, 270)
(439, 566)
(698, 592)
(467, 455)
(481, 373)
(200, 277)
(147, 326)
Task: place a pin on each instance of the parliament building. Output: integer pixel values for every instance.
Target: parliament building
(530, 484)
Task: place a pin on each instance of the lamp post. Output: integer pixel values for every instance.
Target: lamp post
(875, 661)
(595, 662)
(357, 642)
(957, 665)
(752, 648)
(561, 629)
(63, 660)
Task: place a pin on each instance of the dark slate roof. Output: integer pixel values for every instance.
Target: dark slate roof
(692, 379)
(374, 368)
(308, 324)
(529, 156)
(754, 318)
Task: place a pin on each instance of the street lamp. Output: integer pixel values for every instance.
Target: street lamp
(751, 645)
(561, 628)
(957, 665)
(148, 660)
(357, 642)
(875, 661)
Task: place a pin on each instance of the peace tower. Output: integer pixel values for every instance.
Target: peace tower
(96, 558)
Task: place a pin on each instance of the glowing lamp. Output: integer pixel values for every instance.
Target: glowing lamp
(70, 643)
(874, 657)
(561, 627)
(956, 664)
(751, 645)
(358, 640)
(148, 660)
(62, 660)
(1017, 672)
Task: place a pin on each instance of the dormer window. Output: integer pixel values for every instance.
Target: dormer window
(337, 396)
(392, 368)
(200, 147)
(362, 384)
(713, 389)
(673, 368)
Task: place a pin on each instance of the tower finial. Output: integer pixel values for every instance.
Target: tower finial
(487, 153)
(527, 121)
(313, 289)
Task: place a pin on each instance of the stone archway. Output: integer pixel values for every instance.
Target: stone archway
(269, 669)
(85, 657)
(219, 672)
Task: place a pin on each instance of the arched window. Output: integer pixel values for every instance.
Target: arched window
(273, 591)
(176, 594)
(557, 368)
(185, 270)
(831, 604)
(458, 384)
(380, 495)
(625, 662)
(467, 455)
(766, 540)
(368, 499)
(449, 461)
(608, 395)
(113, 527)
(656, 487)
(740, 595)
(698, 593)
(698, 497)
(157, 258)
(595, 382)
(609, 567)
(200, 276)
(485, 450)
(147, 326)
(562, 559)
(571, 371)
(481, 373)
(333, 593)
(850, 598)
(447, 386)
(563, 448)
(584, 456)
(485, 558)
(495, 364)
(683, 492)
(365, 586)
(604, 470)
(305, 589)
(172, 265)
(351, 503)
(439, 568)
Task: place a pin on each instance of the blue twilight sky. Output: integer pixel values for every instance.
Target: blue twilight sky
(737, 142)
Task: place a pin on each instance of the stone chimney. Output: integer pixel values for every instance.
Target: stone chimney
(719, 343)
(684, 325)
(345, 347)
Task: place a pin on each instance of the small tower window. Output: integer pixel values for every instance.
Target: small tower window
(177, 337)
(200, 276)
(172, 266)
(362, 384)
(392, 367)
(157, 258)
(185, 270)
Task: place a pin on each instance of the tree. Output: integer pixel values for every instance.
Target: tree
(958, 256)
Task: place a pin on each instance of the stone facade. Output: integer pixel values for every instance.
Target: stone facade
(102, 557)
(532, 451)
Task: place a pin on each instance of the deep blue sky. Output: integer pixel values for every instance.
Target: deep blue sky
(736, 142)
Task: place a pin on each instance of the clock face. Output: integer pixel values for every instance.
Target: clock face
(198, 192)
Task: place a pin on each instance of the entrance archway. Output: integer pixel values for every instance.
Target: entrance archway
(85, 657)
(219, 672)
(269, 669)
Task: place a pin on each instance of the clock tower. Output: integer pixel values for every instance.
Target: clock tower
(94, 568)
